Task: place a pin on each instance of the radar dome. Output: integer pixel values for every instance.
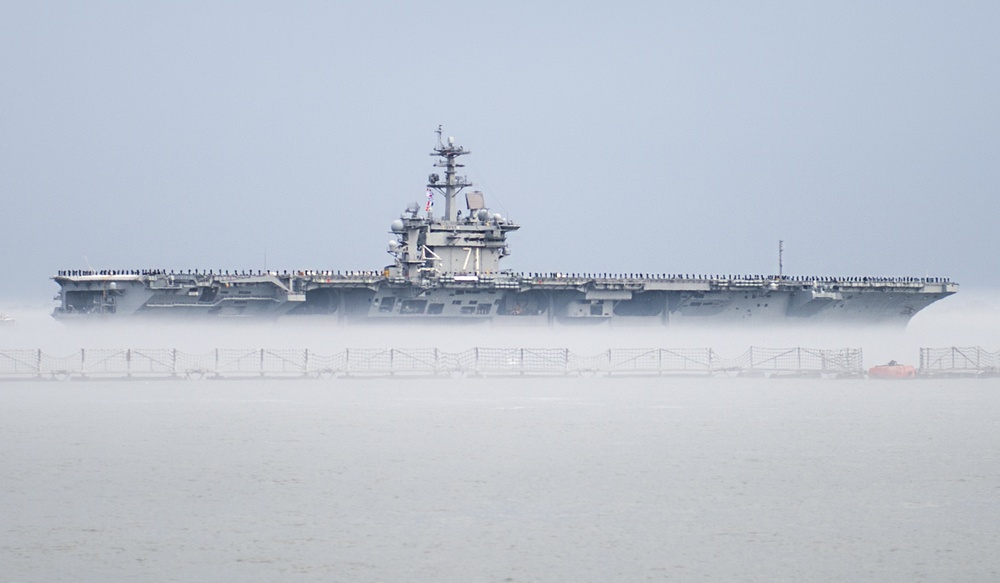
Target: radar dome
(397, 226)
(483, 214)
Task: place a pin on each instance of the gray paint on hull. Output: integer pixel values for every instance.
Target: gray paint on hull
(509, 297)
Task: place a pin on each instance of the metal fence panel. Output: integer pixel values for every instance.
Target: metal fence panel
(239, 363)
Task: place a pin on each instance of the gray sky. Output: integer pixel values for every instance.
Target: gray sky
(635, 136)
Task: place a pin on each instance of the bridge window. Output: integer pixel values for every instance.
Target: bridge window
(413, 307)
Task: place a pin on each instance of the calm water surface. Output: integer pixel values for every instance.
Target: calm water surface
(500, 480)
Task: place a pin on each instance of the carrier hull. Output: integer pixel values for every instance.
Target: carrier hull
(502, 298)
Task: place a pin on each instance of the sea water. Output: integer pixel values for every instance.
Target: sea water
(515, 479)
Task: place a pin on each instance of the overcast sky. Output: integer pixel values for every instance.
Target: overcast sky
(622, 136)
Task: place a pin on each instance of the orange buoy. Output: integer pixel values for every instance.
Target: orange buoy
(892, 370)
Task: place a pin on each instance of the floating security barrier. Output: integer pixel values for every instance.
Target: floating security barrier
(396, 362)
(959, 362)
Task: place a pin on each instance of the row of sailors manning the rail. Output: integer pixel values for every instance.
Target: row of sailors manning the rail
(220, 272)
(533, 275)
(728, 278)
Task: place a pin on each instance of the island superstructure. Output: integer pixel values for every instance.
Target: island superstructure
(448, 268)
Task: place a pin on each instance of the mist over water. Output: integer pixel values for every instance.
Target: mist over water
(970, 318)
(502, 479)
(626, 136)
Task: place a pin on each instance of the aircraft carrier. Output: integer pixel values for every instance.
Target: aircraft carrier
(447, 268)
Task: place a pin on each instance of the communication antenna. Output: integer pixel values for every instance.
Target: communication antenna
(447, 154)
(781, 258)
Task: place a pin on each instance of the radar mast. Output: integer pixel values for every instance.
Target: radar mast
(453, 184)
